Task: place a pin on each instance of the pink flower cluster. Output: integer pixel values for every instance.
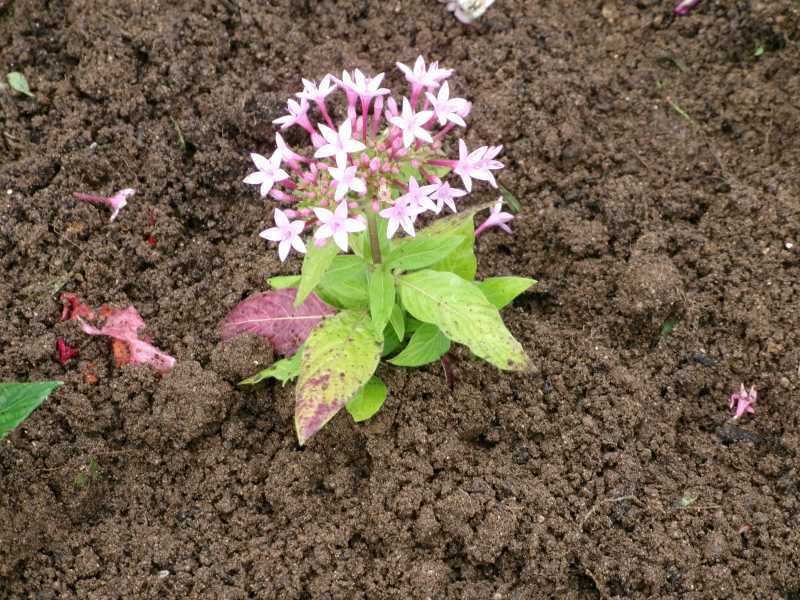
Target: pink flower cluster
(371, 153)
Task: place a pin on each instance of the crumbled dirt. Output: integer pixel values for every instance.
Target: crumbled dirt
(658, 162)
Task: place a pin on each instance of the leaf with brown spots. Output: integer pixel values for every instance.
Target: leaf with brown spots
(339, 357)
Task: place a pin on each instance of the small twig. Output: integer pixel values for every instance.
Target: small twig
(448, 371)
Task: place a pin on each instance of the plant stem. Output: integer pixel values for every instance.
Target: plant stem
(374, 243)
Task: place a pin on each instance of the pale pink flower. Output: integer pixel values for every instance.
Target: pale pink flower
(496, 218)
(287, 233)
(477, 164)
(418, 197)
(362, 86)
(412, 124)
(116, 202)
(446, 108)
(269, 171)
(419, 77)
(445, 195)
(743, 401)
(400, 214)
(289, 156)
(298, 115)
(317, 93)
(337, 225)
(685, 7)
(339, 144)
(346, 180)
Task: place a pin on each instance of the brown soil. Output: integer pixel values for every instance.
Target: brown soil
(614, 470)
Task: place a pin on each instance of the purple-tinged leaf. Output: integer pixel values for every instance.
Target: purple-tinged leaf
(273, 316)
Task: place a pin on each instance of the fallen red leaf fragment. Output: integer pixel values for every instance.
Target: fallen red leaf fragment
(123, 326)
(121, 352)
(273, 316)
(74, 308)
(65, 351)
(151, 240)
(88, 375)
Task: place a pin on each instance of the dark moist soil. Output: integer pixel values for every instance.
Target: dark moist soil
(658, 162)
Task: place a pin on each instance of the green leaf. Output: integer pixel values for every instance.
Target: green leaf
(344, 285)
(18, 82)
(315, 264)
(284, 370)
(461, 260)
(390, 341)
(500, 291)
(464, 315)
(18, 400)
(510, 199)
(398, 321)
(339, 357)
(381, 296)
(421, 252)
(283, 281)
(368, 401)
(426, 345)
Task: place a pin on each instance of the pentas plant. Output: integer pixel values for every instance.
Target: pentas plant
(406, 292)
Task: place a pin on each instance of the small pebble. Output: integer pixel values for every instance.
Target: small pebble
(163, 574)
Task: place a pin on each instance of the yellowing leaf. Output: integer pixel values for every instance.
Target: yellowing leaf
(339, 357)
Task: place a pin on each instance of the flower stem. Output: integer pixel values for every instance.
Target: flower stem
(374, 243)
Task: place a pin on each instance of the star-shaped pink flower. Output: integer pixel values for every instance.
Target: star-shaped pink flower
(496, 218)
(421, 77)
(287, 233)
(400, 214)
(337, 225)
(448, 109)
(412, 124)
(362, 86)
(445, 195)
(346, 180)
(269, 171)
(316, 93)
(477, 164)
(298, 115)
(339, 143)
(418, 197)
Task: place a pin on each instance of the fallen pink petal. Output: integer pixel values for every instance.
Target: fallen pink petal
(743, 401)
(115, 202)
(685, 7)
